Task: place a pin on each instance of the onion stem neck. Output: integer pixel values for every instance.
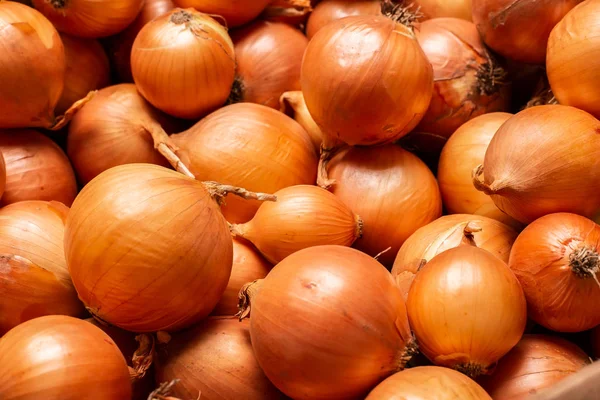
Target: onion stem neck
(163, 391)
(143, 357)
(585, 263)
(327, 153)
(247, 293)
(471, 369)
(400, 13)
(180, 17)
(478, 181)
(219, 192)
(411, 349)
(63, 120)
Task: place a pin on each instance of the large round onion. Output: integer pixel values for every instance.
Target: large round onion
(317, 331)
(235, 12)
(293, 104)
(544, 160)
(147, 248)
(331, 10)
(444, 8)
(58, 357)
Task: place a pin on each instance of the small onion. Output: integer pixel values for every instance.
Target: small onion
(328, 322)
(331, 10)
(59, 357)
(444, 8)
(235, 12)
(293, 104)
(201, 65)
(303, 216)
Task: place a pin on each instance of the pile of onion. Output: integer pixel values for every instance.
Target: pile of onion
(293, 104)
(197, 78)
(351, 342)
(328, 11)
(59, 357)
(543, 160)
(235, 12)
(36, 168)
(443, 9)
(557, 261)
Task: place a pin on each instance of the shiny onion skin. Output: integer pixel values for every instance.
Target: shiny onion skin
(556, 261)
(519, 29)
(467, 81)
(34, 279)
(331, 10)
(293, 104)
(147, 248)
(393, 192)
(36, 168)
(198, 77)
(358, 332)
(541, 161)
(303, 216)
(445, 233)
(467, 309)
(535, 363)
(268, 57)
(444, 9)
(340, 75)
(428, 382)
(250, 146)
(59, 357)
(235, 12)
(214, 358)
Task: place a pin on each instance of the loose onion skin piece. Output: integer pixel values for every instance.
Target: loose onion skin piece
(426, 383)
(293, 104)
(535, 363)
(235, 12)
(59, 357)
(331, 10)
(444, 9)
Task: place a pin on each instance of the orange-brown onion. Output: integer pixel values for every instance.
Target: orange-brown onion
(393, 192)
(557, 262)
(519, 30)
(467, 309)
(328, 322)
(535, 363)
(200, 70)
(444, 8)
(429, 382)
(248, 265)
(303, 216)
(147, 248)
(268, 57)
(445, 233)
(340, 76)
(214, 358)
(293, 104)
(36, 168)
(59, 357)
(34, 279)
(467, 82)
(250, 146)
(544, 160)
(328, 11)
(235, 12)
(90, 18)
(292, 12)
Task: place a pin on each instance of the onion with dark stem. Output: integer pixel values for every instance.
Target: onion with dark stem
(328, 11)
(235, 12)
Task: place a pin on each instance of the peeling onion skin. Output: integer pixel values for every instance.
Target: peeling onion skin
(235, 12)
(59, 357)
(328, 11)
(444, 9)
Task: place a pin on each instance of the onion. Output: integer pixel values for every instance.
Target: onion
(250, 146)
(426, 383)
(36, 168)
(392, 190)
(293, 104)
(235, 12)
(535, 363)
(328, 322)
(444, 8)
(292, 12)
(215, 359)
(328, 11)
(466, 309)
(58, 357)
(445, 233)
(90, 18)
(519, 30)
(541, 161)
(556, 260)
(303, 216)
(200, 70)
(268, 56)
(467, 81)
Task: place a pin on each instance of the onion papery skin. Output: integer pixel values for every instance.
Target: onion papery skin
(558, 293)
(235, 12)
(250, 146)
(59, 357)
(393, 192)
(214, 358)
(340, 75)
(444, 9)
(201, 68)
(519, 30)
(90, 18)
(535, 363)
(426, 383)
(445, 233)
(559, 175)
(328, 11)
(36, 168)
(463, 73)
(33, 67)
(34, 279)
(293, 104)
(147, 248)
(269, 57)
(303, 216)
(467, 309)
(351, 342)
